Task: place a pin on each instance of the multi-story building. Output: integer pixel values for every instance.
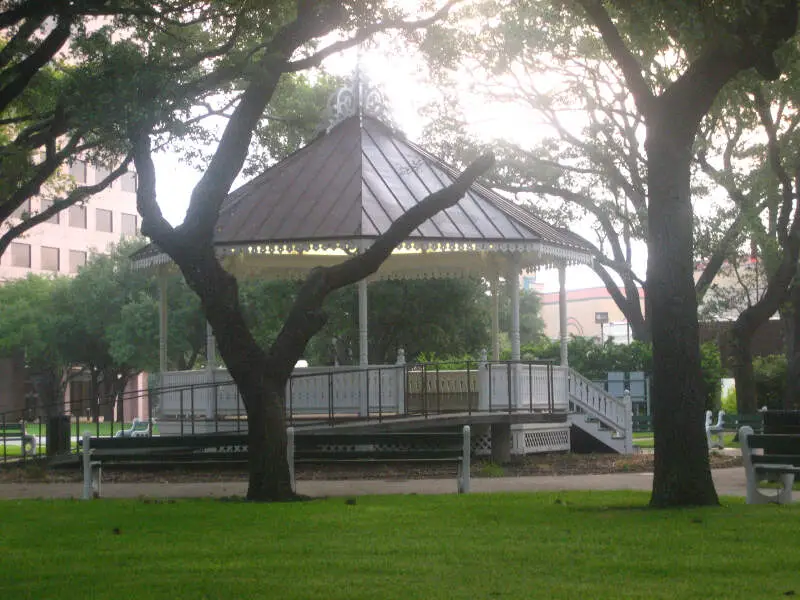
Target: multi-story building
(61, 245)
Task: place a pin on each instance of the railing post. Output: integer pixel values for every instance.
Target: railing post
(87, 465)
(628, 408)
(290, 456)
(466, 449)
(484, 390)
(400, 373)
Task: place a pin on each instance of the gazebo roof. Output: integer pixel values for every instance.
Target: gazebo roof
(340, 192)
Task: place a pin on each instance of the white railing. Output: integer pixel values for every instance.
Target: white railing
(523, 386)
(205, 394)
(615, 413)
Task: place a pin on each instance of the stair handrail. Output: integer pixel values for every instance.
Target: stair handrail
(593, 400)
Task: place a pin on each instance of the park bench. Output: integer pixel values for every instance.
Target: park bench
(138, 428)
(16, 432)
(773, 457)
(715, 431)
(425, 446)
(306, 448)
(642, 423)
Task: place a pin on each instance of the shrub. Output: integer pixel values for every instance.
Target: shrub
(770, 375)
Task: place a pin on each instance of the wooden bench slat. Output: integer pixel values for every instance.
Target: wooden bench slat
(776, 443)
(776, 459)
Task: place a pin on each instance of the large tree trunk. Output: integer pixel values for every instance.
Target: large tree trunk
(266, 438)
(682, 474)
(791, 400)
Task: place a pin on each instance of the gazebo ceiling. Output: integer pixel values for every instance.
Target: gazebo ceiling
(344, 189)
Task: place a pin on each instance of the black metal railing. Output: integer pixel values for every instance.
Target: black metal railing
(329, 396)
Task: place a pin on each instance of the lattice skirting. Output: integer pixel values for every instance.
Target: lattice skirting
(528, 439)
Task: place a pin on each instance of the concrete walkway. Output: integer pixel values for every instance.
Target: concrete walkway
(729, 482)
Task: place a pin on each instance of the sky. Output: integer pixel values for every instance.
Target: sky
(402, 78)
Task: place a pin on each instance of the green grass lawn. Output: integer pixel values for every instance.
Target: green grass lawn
(647, 441)
(96, 429)
(516, 546)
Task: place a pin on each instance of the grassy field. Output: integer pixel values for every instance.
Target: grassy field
(647, 441)
(554, 546)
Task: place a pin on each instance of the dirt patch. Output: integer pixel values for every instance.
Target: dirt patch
(540, 464)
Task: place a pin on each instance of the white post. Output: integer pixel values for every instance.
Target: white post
(483, 382)
(400, 381)
(514, 291)
(211, 347)
(363, 353)
(516, 352)
(162, 321)
(463, 484)
(628, 408)
(87, 466)
(496, 318)
(562, 313)
(290, 456)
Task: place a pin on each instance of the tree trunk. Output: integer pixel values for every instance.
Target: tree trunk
(266, 438)
(791, 400)
(682, 473)
(742, 355)
(261, 382)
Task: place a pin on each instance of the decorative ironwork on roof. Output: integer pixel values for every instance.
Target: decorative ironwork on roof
(360, 97)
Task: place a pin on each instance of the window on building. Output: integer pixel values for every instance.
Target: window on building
(47, 203)
(20, 255)
(129, 224)
(78, 170)
(77, 216)
(50, 259)
(129, 182)
(24, 208)
(100, 173)
(104, 220)
(77, 258)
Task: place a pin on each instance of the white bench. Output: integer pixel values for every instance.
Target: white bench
(771, 457)
(138, 428)
(715, 431)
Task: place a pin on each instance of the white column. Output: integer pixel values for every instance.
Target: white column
(363, 354)
(162, 321)
(496, 318)
(211, 347)
(513, 282)
(562, 313)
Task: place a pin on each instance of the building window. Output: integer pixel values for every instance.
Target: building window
(100, 173)
(20, 255)
(78, 171)
(104, 220)
(130, 225)
(77, 216)
(47, 203)
(129, 182)
(77, 258)
(24, 208)
(50, 259)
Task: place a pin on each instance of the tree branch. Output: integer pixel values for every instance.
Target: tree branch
(77, 195)
(23, 72)
(628, 63)
(307, 317)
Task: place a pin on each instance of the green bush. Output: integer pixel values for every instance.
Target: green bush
(770, 375)
(728, 402)
(713, 372)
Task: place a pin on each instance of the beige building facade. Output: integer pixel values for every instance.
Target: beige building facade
(583, 309)
(61, 246)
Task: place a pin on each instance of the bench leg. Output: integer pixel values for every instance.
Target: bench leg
(97, 478)
(782, 496)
